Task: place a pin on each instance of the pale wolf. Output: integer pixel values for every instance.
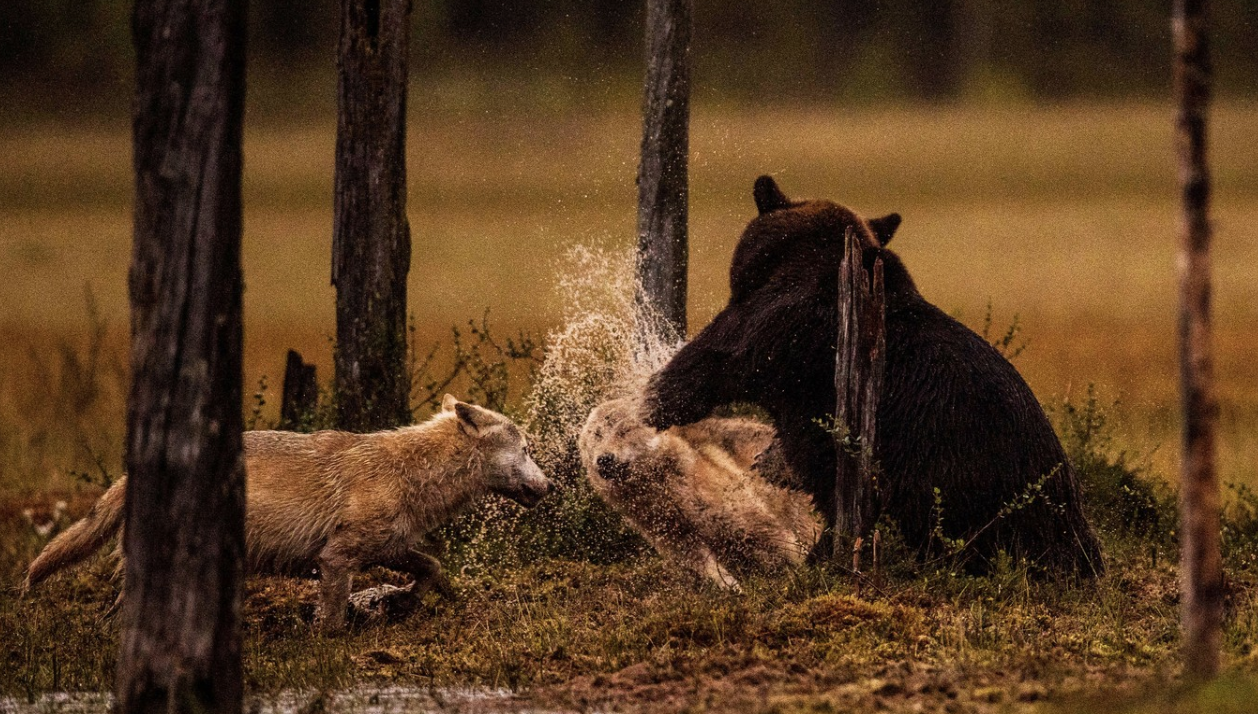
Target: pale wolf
(695, 492)
(340, 502)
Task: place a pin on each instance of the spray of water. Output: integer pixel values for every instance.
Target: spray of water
(607, 345)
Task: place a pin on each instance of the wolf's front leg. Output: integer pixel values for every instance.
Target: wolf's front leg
(426, 570)
(704, 564)
(336, 573)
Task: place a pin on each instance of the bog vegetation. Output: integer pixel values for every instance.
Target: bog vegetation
(568, 603)
(563, 600)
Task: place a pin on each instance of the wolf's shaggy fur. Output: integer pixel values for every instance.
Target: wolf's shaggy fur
(341, 502)
(693, 493)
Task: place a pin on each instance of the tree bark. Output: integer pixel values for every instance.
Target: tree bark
(663, 182)
(860, 359)
(1201, 566)
(184, 536)
(371, 239)
(301, 393)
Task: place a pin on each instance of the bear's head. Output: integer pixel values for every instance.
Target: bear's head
(804, 232)
(774, 341)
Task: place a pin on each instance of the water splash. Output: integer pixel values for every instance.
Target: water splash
(607, 346)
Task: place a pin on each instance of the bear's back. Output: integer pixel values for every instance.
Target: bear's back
(955, 409)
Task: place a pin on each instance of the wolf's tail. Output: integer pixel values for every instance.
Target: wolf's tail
(81, 539)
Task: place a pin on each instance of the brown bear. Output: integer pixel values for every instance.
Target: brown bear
(964, 449)
(691, 491)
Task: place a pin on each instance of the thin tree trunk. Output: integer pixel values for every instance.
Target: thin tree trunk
(663, 183)
(1201, 565)
(371, 239)
(860, 360)
(184, 536)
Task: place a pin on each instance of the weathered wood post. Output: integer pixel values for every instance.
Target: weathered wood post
(858, 370)
(371, 238)
(301, 392)
(663, 181)
(1201, 565)
(185, 500)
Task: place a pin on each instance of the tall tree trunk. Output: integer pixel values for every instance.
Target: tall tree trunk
(184, 537)
(1201, 565)
(663, 183)
(371, 238)
(860, 359)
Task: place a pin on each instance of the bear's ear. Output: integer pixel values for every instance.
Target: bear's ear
(768, 196)
(885, 227)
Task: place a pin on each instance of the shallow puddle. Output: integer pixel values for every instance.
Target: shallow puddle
(361, 700)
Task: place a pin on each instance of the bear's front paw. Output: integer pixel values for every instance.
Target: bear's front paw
(652, 413)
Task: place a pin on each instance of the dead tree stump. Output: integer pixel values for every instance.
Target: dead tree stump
(1201, 565)
(301, 393)
(371, 238)
(185, 503)
(858, 370)
(663, 174)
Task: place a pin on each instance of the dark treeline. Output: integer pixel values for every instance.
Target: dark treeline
(812, 49)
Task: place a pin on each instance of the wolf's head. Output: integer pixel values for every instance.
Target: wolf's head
(509, 470)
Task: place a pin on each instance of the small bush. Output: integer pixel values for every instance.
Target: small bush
(1122, 498)
(1240, 528)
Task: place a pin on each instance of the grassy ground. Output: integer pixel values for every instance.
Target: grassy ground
(1062, 215)
(639, 636)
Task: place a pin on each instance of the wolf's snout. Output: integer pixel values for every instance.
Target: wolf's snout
(531, 489)
(605, 463)
(611, 468)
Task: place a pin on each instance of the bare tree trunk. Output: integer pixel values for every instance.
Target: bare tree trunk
(1201, 565)
(301, 393)
(663, 183)
(860, 360)
(184, 536)
(371, 238)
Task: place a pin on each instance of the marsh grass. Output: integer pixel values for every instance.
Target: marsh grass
(1062, 219)
(613, 624)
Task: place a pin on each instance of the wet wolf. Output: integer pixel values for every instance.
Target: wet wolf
(706, 495)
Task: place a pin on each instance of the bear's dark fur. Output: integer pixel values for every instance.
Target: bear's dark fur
(953, 415)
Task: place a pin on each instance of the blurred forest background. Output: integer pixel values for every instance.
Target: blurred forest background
(583, 49)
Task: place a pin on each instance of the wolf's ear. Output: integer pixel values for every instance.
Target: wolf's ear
(885, 227)
(472, 419)
(768, 196)
(448, 402)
